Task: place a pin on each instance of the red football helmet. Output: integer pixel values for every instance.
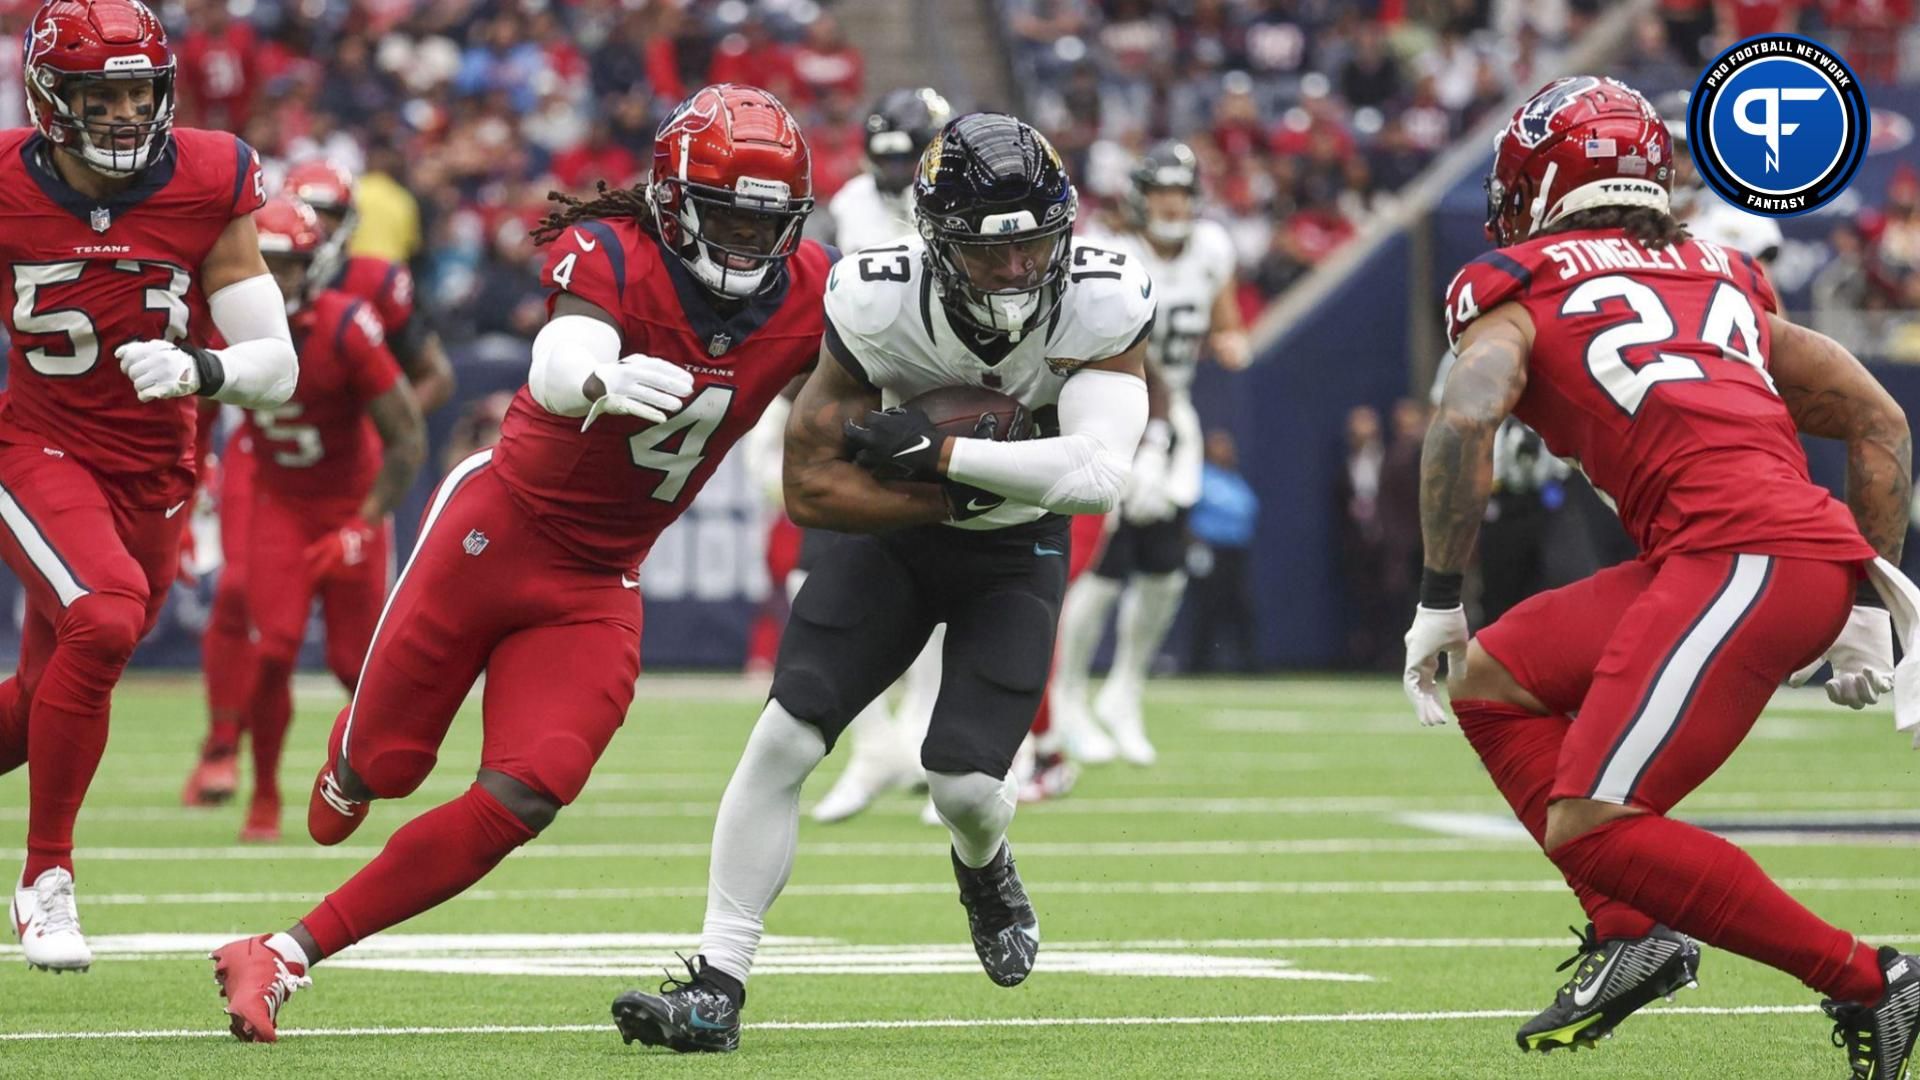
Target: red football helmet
(1580, 142)
(327, 186)
(77, 50)
(291, 236)
(732, 184)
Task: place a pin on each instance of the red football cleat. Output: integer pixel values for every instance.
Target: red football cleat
(213, 779)
(256, 981)
(263, 820)
(331, 815)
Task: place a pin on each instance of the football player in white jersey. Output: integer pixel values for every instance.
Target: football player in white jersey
(876, 208)
(1191, 260)
(1706, 215)
(971, 532)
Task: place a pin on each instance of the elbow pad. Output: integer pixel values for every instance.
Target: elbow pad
(259, 369)
(1095, 485)
(565, 353)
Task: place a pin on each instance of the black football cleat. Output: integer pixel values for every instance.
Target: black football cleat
(1879, 1038)
(1611, 980)
(1006, 934)
(687, 1016)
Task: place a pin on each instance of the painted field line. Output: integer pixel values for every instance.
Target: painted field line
(904, 1025)
(1041, 888)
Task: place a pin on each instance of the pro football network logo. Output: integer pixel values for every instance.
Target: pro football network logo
(1778, 124)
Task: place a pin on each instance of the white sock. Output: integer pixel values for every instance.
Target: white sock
(754, 836)
(977, 809)
(922, 682)
(290, 951)
(1083, 615)
(1147, 609)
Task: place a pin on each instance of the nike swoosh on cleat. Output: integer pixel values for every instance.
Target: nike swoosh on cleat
(695, 1020)
(916, 447)
(1583, 996)
(1040, 550)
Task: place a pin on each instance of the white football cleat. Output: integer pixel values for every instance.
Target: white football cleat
(1083, 739)
(47, 923)
(1118, 708)
(859, 784)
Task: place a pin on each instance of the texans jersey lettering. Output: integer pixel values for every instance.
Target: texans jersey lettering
(83, 277)
(888, 328)
(1649, 368)
(608, 492)
(1186, 285)
(320, 448)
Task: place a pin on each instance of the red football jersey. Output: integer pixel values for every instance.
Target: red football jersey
(1649, 368)
(388, 286)
(83, 278)
(320, 450)
(606, 493)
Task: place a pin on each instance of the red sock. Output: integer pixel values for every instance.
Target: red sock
(1698, 884)
(272, 712)
(1520, 750)
(430, 860)
(67, 720)
(226, 659)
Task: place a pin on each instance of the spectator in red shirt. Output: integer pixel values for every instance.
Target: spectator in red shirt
(218, 66)
(598, 157)
(825, 64)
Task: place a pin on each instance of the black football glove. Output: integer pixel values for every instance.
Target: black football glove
(896, 444)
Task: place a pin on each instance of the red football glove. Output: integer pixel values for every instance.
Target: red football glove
(338, 551)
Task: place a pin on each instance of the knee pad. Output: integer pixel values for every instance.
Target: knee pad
(972, 800)
(105, 626)
(390, 772)
(557, 768)
(808, 695)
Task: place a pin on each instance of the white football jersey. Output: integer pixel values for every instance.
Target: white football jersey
(1720, 222)
(864, 217)
(884, 319)
(1187, 285)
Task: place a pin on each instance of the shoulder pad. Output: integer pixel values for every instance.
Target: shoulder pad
(1482, 285)
(868, 291)
(1109, 295)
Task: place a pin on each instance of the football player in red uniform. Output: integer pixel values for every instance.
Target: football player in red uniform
(678, 313)
(130, 245)
(327, 187)
(330, 466)
(1662, 365)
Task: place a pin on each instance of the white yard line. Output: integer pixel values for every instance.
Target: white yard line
(1040, 887)
(904, 1025)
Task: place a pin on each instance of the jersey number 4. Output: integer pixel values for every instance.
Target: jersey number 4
(1729, 314)
(697, 420)
(83, 337)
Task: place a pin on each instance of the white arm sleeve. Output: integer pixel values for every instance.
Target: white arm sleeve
(565, 352)
(259, 364)
(1081, 471)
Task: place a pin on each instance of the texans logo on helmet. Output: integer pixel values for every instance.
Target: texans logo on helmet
(695, 115)
(1535, 124)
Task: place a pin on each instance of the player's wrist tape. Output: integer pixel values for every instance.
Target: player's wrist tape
(1439, 590)
(1865, 595)
(206, 364)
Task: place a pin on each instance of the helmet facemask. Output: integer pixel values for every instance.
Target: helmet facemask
(1006, 279)
(77, 107)
(730, 240)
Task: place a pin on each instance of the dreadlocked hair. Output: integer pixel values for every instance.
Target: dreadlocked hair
(607, 202)
(1651, 229)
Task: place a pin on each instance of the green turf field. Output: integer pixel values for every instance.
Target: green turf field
(1309, 885)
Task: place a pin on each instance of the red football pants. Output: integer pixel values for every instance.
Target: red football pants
(96, 569)
(559, 639)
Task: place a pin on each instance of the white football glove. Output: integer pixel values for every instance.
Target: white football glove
(1146, 500)
(640, 385)
(1435, 632)
(1862, 658)
(158, 369)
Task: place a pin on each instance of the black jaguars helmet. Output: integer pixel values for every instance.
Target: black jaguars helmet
(1169, 165)
(899, 127)
(993, 202)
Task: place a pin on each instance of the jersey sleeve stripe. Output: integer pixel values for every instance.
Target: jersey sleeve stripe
(616, 254)
(1508, 265)
(346, 320)
(845, 355)
(243, 162)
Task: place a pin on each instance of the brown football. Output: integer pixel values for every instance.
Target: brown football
(956, 410)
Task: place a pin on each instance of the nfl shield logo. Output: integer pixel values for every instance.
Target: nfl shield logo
(102, 219)
(719, 344)
(475, 543)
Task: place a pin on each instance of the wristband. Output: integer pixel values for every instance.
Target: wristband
(1439, 590)
(207, 365)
